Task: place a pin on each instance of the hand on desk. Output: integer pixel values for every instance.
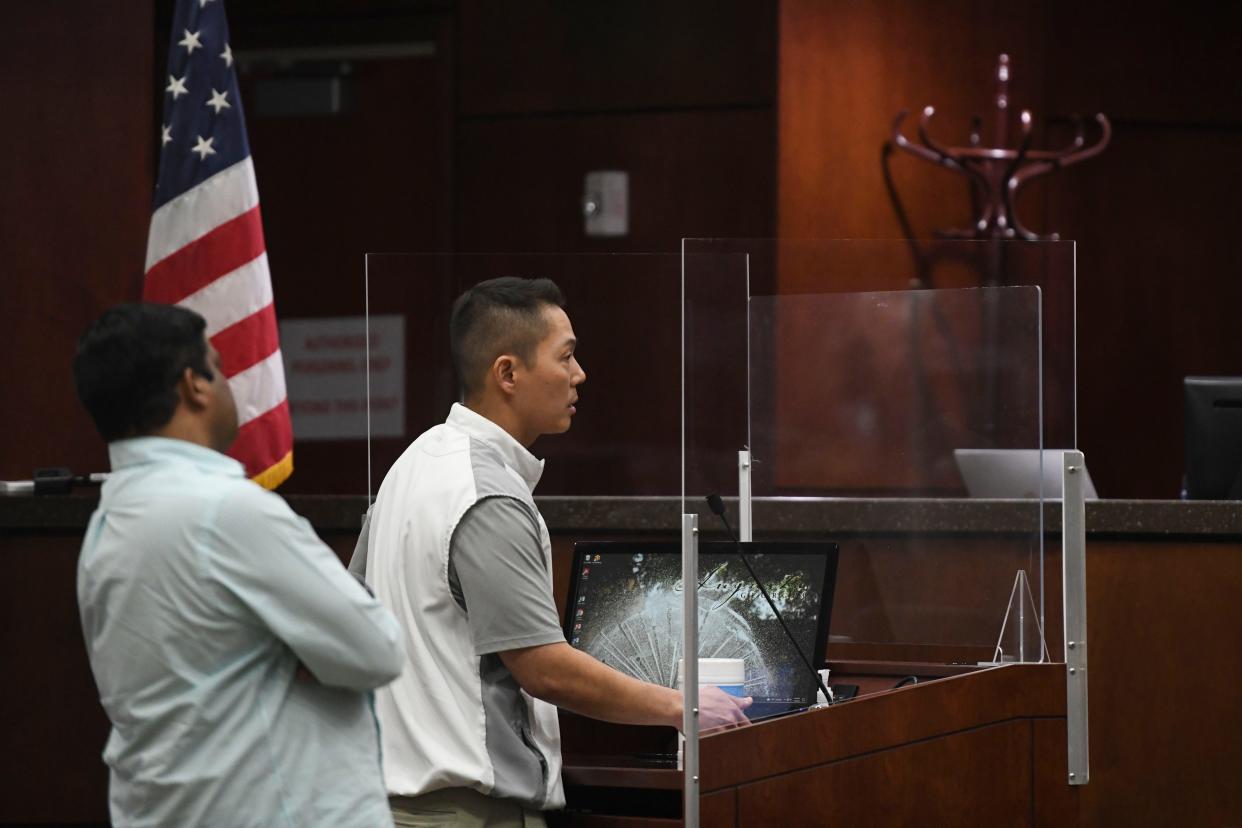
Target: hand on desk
(719, 710)
(569, 678)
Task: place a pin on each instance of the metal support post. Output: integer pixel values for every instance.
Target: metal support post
(743, 497)
(1074, 600)
(690, 670)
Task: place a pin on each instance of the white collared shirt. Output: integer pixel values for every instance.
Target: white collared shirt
(200, 593)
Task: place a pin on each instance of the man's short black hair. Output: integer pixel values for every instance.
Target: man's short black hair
(499, 316)
(128, 363)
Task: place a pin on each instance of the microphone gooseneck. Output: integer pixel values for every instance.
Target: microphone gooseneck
(716, 504)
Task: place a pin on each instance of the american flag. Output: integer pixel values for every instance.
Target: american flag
(205, 250)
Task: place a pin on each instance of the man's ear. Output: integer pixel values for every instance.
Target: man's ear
(194, 389)
(503, 371)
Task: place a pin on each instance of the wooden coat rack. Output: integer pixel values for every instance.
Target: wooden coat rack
(997, 173)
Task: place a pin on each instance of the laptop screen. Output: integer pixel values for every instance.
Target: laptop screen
(625, 609)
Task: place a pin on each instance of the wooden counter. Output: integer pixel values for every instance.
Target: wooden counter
(1164, 624)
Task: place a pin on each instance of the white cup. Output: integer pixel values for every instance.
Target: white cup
(729, 674)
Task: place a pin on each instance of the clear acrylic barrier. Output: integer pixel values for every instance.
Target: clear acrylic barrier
(899, 376)
(890, 395)
(624, 438)
(721, 276)
(861, 370)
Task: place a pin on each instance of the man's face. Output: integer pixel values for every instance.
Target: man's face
(548, 386)
(222, 411)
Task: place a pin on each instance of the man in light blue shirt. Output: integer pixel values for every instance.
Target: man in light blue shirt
(233, 653)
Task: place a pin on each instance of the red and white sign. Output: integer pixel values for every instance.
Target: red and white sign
(326, 367)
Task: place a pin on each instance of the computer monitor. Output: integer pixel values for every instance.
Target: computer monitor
(1213, 438)
(625, 609)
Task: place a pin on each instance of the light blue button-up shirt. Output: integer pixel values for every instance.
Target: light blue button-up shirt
(200, 594)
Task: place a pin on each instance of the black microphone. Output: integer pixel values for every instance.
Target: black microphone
(716, 504)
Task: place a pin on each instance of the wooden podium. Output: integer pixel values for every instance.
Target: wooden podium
(983, 748)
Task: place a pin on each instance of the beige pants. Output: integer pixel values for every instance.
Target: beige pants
(461, 807)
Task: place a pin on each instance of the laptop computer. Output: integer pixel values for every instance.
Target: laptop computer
(1014, 473)
(625, 609)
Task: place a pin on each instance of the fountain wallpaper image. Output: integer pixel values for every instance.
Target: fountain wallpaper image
(628, 615)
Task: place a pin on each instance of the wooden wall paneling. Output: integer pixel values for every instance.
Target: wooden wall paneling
(680, 97)
(1170, 63)
(75, 197)
(692, 173)
(547, 56)
(55, 728)
(1056, 803)
(1158, 294)
(719, 810)
(1164, 723)
(1153, 216)
(1054, 606)
(846, 70)
(420, 288)
(374, 178)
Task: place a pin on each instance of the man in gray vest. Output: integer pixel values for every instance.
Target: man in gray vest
(457, 548)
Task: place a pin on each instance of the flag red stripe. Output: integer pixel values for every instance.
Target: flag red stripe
(264, 441)
(249, 342)
(207, 258)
